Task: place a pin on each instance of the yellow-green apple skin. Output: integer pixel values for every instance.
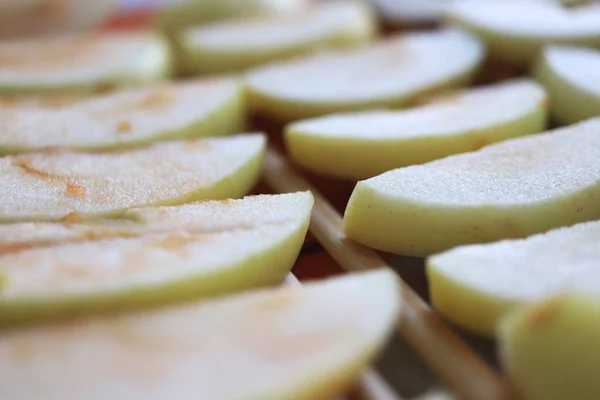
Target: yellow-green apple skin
(512, 36)
(287, 343)
(383, 140)
(83, 63)
(511, 189)
(166, 254)
(128, 118)
(550, 349)
(571, 75)
(242, 44)
(389, 73)
(54, 184)
(475, 286)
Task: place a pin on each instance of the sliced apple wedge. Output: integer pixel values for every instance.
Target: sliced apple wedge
(53, 184)
(388, 73)
(511, 35)
(550, 349)
(20, 18)
(384, 140)
(169, 254)
(82, 63)
(128, 118)
(301, 343)
(572, 77)
(507, 190)
(474, 286)
(241, 44)
(177, 15)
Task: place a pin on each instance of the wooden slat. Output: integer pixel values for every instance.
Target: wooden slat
(462, 370)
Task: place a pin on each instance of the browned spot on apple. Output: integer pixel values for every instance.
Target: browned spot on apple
(73, 218)
(124, 127)
(543, 102)
(545, 314)
(27, 166)
(75, 190)
(157, 99)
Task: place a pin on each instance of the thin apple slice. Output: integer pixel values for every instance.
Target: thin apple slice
(53, 270)
(512, 36)
(178, 15)
(550, 349)
(476, 285)
(129, 118)
(246, 43)
(20, 18)
(82, 63)
(510, 189)
(388, 73)
(53, 184)
(384, 140)
(572, 77)
(301, 343)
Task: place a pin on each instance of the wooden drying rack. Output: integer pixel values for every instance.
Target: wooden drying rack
(449, 357)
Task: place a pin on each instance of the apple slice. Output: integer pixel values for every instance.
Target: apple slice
(474, 286)
(512, 36)
(53, 184)
(178, 15)
(388, 73)
(507, 190)
(20, 18)
(384, 140)
(169, 254)
(572, 78)
(550, 349)
(82, 63)
(301, 343)
(129, 118)
(241, 44)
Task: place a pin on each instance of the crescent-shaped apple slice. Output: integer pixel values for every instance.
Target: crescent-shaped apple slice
(507, 190)
(175, 16)
(245, 43)
(512, 36)
(572, 77)
(82, 63)
(168, 254)
(476, 285)
(384, 140)
(302, 343)
(127, 118)
(550, 350)
(54, 184)
(388, 73)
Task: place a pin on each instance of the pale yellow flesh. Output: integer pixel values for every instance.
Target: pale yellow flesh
(197, 250)
(129, 118)
(82, 63)
(290, 343)
(475, 286)
(384, 140)
(177, 16)
(572, 78)
(550, 349)
(51, 185)
(512, 36)
(388, 73)
(507, 190)
(245, 43)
